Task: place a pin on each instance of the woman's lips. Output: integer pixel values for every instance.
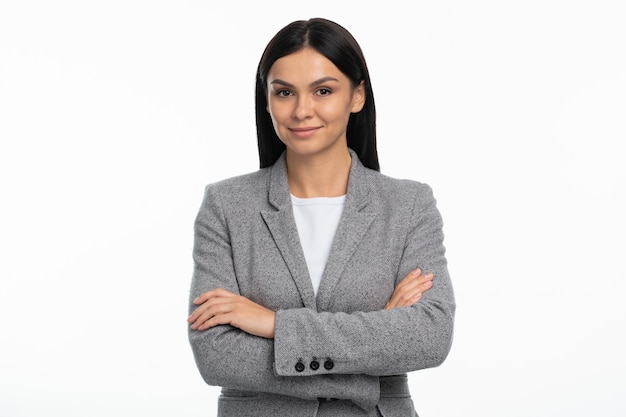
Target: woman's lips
(304, 132)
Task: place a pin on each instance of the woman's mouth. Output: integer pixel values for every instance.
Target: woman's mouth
(304, 132)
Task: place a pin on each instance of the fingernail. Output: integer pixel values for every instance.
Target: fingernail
(417, 271)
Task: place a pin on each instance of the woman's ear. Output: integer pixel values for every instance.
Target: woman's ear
(358, 98)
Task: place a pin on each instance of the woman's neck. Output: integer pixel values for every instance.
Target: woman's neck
(310, 177)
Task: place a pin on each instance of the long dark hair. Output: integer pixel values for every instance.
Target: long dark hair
(339, 46)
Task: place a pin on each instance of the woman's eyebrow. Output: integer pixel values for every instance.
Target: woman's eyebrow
(312, 84)
(322, 81)
(281, 82)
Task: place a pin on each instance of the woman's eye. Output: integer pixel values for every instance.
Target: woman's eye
(323, 91)
(283, 93)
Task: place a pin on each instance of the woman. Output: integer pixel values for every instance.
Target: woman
(308, 296)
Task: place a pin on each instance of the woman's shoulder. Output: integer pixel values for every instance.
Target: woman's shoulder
(400, 196)
(250, 180)
(397, 187)
(236, 189)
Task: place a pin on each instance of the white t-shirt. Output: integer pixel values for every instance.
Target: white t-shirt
(317, 220)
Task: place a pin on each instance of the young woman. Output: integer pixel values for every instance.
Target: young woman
(318, 282)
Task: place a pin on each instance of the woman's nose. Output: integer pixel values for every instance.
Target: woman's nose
(303, 108)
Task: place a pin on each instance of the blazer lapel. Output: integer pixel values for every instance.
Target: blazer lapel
(352, 227)
(284, 231)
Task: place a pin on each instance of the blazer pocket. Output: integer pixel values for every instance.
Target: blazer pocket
(228, 393)
(250, 404)
(395, 398)
(400, 406)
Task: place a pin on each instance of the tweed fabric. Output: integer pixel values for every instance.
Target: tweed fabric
(246, 241)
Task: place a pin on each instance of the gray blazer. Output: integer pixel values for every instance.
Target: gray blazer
(339, 350)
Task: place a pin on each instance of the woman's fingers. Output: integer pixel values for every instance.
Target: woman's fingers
(218, 292)
(205, 302)
(223, 307)
(410, 289)
(217, 313)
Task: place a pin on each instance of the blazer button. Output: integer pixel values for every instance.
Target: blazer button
(315, 365)
(299, 366)
(329, 364)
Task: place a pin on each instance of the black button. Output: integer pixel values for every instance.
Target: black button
(315, 365)
(299, 367)
(329, 364)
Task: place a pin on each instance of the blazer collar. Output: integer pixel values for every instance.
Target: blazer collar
(358, 193)
(354, 223)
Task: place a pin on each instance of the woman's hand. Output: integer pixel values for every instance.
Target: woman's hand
(410, 289)
(220, 306)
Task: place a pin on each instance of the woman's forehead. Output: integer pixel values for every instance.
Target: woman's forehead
(304, 66)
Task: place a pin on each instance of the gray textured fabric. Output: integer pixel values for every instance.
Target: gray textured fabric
(246, 241)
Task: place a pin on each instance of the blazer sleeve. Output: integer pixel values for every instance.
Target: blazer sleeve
(384, 342)
(229, 357)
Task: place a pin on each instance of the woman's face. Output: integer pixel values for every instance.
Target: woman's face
(310, 101)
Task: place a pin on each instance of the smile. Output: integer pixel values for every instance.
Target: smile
(304, 132)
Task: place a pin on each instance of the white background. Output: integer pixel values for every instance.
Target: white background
(114, 115)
